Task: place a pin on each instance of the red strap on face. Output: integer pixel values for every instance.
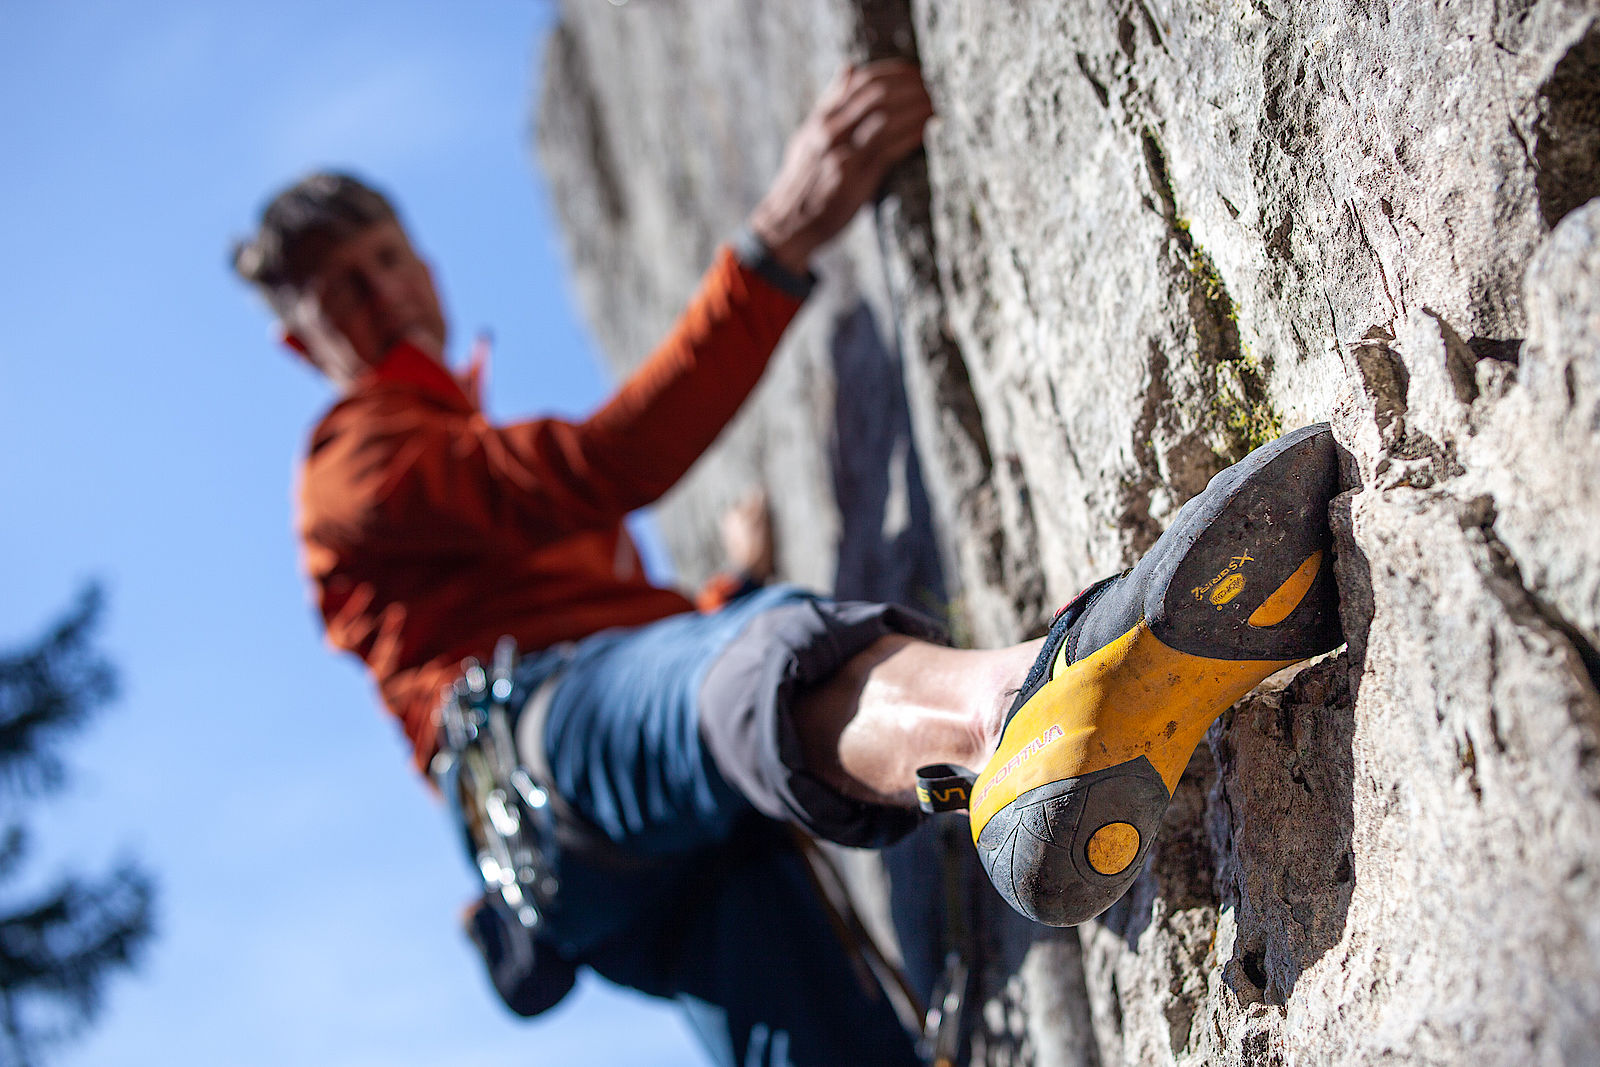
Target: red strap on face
(1068, 606)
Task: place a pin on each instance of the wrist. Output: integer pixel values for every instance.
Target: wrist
(790, 251)
(782, 265)
(780, 224)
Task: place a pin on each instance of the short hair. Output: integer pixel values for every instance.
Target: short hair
(301, 225)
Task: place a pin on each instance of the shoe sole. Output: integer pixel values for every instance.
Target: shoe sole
(1239, 587)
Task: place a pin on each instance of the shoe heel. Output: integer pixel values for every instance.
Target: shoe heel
(1065, 852)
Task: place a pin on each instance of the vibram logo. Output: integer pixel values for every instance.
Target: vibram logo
(1227, 584)
(1027, 752)
(1227, 589)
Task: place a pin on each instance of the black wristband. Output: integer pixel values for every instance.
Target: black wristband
(753, 252)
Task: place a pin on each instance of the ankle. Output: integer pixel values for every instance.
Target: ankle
(992, 700)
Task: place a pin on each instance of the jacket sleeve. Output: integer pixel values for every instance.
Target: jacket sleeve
(674, 405)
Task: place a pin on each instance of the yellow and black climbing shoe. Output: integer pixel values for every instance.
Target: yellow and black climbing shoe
(1138, 666)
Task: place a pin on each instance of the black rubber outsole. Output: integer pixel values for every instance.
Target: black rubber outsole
(1271, 506)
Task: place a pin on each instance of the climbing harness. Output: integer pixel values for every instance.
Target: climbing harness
(506, 814)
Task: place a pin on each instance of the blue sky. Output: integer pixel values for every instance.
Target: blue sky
(310, 885)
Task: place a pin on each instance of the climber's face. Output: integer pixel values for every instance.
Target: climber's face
(369, 293)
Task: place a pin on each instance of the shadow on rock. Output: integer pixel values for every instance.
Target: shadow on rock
(1282, 818)
(1567, 137)
(887, 549)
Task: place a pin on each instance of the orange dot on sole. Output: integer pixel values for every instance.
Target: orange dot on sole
(1113, 847)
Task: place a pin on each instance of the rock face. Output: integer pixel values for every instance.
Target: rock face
(1147, 236)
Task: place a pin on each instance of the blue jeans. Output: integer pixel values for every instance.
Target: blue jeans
(696, 897)
(623, 737)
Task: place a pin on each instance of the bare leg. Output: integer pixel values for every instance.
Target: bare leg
(903, 704)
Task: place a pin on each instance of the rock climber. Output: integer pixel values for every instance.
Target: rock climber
(678, 741)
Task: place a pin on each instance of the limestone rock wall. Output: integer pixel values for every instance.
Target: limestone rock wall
(1146, 236)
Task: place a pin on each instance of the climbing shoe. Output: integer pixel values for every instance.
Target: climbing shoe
(1137, 667)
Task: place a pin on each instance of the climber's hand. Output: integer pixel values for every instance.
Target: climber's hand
(869, 119)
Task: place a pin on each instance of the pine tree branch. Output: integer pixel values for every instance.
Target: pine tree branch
(13, 847)
(59, 948)
(62, 948)
(46, 691)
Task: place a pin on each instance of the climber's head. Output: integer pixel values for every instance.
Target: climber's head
(334, 262)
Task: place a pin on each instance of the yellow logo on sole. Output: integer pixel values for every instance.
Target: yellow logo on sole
(1227, 584)
(1227, 589)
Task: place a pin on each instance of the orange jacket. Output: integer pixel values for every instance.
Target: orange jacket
(429, 532)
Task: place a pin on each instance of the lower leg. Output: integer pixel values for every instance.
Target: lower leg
(903, 704)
